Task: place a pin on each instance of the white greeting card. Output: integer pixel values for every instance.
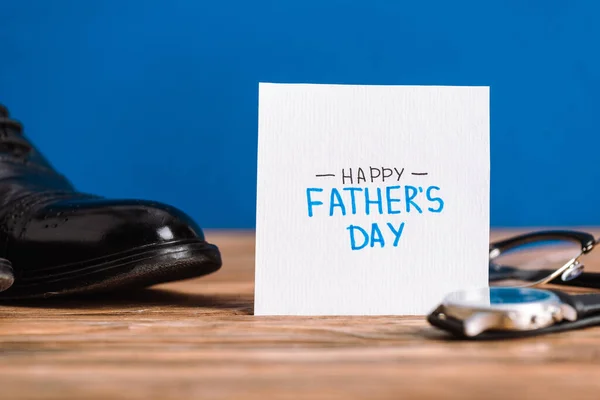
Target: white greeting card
(372, 200)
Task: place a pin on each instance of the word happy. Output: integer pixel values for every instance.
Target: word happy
(393, 200)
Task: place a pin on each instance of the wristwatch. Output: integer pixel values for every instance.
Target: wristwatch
(511, 312)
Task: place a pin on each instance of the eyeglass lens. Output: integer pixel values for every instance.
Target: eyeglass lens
(532, 261)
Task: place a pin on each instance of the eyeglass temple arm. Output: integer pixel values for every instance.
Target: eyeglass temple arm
(589, 280)
(585, 240)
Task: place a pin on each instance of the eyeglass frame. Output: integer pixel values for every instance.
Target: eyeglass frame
(570, 274)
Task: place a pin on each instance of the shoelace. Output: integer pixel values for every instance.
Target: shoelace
(13, 143)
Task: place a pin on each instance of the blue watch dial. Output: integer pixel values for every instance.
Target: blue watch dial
(513, 295)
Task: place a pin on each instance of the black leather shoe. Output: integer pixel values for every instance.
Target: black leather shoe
(60, 241)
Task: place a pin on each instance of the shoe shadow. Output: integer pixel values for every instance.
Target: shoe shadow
(142, 298)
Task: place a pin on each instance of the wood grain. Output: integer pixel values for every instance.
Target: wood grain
(199, 339)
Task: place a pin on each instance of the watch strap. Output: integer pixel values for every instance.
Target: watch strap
(586, 279)
(585, 304)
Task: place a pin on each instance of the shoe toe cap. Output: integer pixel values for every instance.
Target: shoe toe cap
(143, 222)
(97, 227)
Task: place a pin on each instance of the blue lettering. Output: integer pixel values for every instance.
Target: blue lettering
(352, 197)
(397, 232)
(434, 199)
(352, 228)
(410, 197)
(312, 203)
(376, 232)
(368, 201)
(336, 201)
(390, 200)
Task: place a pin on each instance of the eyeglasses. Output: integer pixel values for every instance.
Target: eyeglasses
(545, 257)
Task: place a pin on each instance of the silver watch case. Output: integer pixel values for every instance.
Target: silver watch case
(479, 316)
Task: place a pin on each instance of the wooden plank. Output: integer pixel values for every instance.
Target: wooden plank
(199, 339)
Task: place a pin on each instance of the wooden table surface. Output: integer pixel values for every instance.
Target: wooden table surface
(199, 339)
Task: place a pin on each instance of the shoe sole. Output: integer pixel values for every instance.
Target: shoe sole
(139, 267)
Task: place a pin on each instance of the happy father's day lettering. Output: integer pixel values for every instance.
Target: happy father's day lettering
(391, 199)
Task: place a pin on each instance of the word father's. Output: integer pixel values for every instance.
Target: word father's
(389, 199)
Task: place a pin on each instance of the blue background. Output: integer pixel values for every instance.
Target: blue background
(158, 99)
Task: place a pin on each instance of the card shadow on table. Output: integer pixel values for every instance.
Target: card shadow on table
(143, 297)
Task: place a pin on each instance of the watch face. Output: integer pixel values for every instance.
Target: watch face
(498, 297)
